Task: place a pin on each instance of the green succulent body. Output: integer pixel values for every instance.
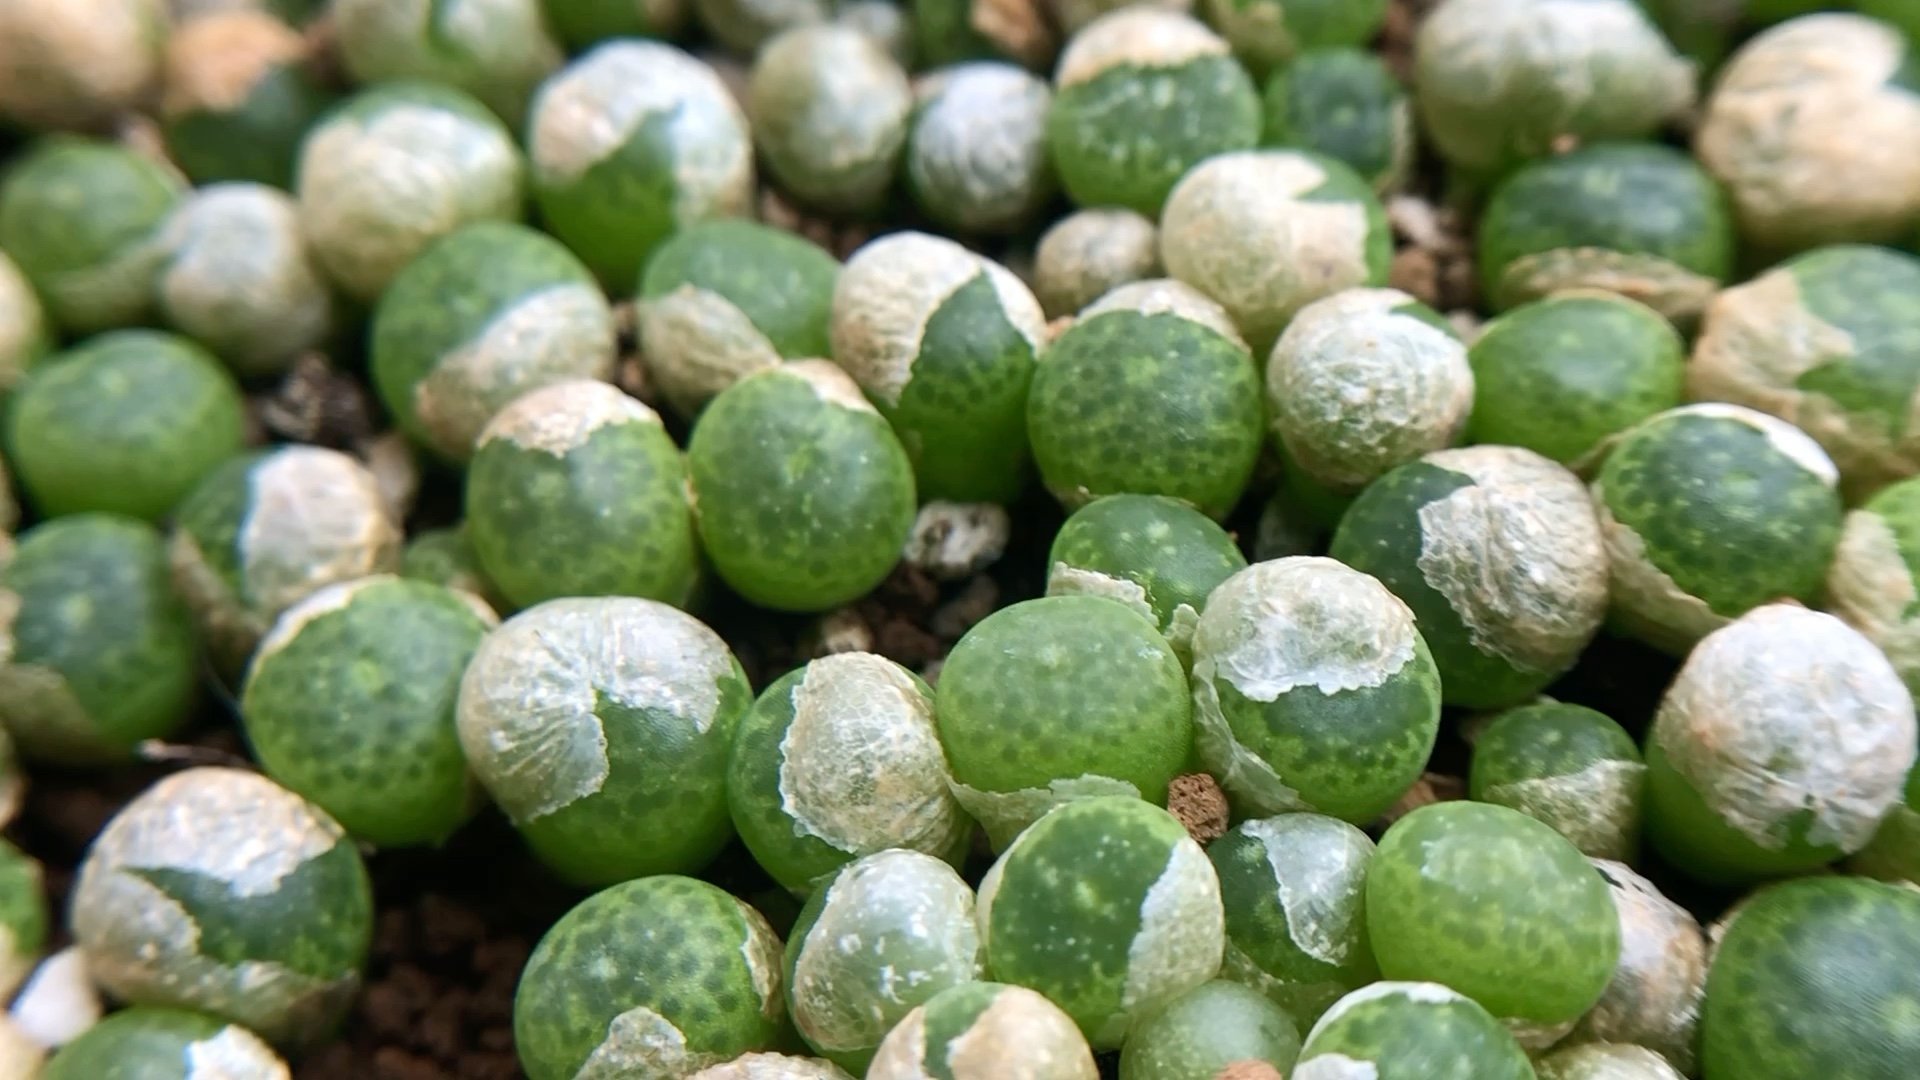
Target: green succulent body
(251, 131)
(1568, 766)
(1345, 103)
(1212, 1026)
(146, 1043)
(1157, 555)
(1410, 1031)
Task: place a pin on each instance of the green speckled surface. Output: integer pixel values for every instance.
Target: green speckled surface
(1407, 1038)
(356, 712)
(803, 504)
(259, 138)
(1630, 198)
(1551, 741)
(70, 208)
(499, 52)
(1149, 404)
(1207, 1029)
(782, 282)
(1347, 104)
(1127, 135)
(445, 557)
(1176, 554)
(137, 1044)
(669, 944)
(607, 518)
(583, 23)
(98, 608)
(1497, 906)
(1073, 943)
(963, 414)
(1055, 688)
(1873, 296)
(127, 423)
(1729, 518)
(1269, 33)
(616, 212)
(1560, 375)
(1817, 978)
(1689, 833)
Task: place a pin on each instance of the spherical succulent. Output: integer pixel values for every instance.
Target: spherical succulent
(239, 94)
(841, 759)
(1499, 555)
(1151, 391)
(24, 920)
(81, 220)
(1639, 219)
(1779, 747)
(127, 423)
(265, 530)
(630, 142)
(396, 167)
(25, 335)
(885, 934)
(1312, 690)
(349, 701)
(1875, 576)
(1828, 342)
(743, 26)
(659, 977)
(1269, 34)
(496, 50)
(723, 299)
(1568, 766)
(1345, 104)
(445, 557)
(1157, 555)
(78, 63)
(576, 489)
(803, 495)
(219, 891)
(1057, 698)
(1497, 906)
(985, 1031)
(97, 654)
(582, 24)
(830, 115)
(1812, 979)
(1806, 127)
(1294, 891)
(1409, 1031)
(481, 317)
(1562, 375)
(1364, 381)
(976, 158)
(1141, 95)
(1654, 998)
(1499, 82)
(1605, 1061)
(943, 342)
(1709, 511)
(145, 1043)
(1089, 253)
(1145, 913)
(1267, 232)
(601, 727)
(1207, 1029)
(238, 278)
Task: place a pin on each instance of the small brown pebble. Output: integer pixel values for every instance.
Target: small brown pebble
(843, 631)
(1249, 1070)
(1416, 272)
(900, 641)
(1199, 804)
(959, 615)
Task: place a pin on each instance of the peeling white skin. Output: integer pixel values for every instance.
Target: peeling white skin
(1064, 580)
(1596, 808)
(1355, 388)
(234, 1054)
(1655, 996)
(1165, 296)
(23, 324)
(1020, 1035)
(525, 712)
(832, 107)
(696, 343)
(896, 928)
(891, 287)
(861, 767)
(1607, 1062)
(1758, 339)
(36, 704)
(77, 63)
(1787, 440)
(1238, 228)
(1277, 626)
(1661, 284)
(1341, 1067)
(1320, 873)
(1518, 556)
(559, 418)
(213, 62)
(1181, 940)
(560, 332)
(980, 139)
(316, 517)
(772, 1067)
(1335, 1067)
(952, 541)
(1870, 587)
(590, 110)
(1148, 37)
(1004, 814)
(374, 191)
(641, 1042)
(762, 950)
(1812, 144)
(1645, 599)
(830, 384)
(1089, 253)
(237, 276)
(323, 602)
(1787, 711)
(236, 827)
